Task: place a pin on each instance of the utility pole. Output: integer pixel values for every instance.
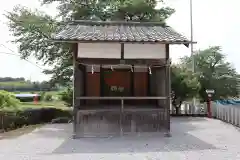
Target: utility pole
(191, 47)
(191, 28)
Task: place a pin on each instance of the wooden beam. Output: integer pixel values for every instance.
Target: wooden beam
(149, 84)
(101, 110)
(186, 43)
(101, 81)
(92, 61)
(75, 79)
(120, 98)
(132, 78)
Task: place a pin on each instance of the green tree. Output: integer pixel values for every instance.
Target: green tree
(214, 72)
(184, 84)
(32, 29)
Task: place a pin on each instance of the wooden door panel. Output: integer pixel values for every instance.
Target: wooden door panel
(116, 83)
(141, 86)
(93, 87)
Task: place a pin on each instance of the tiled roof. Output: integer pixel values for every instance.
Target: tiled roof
(119, 32)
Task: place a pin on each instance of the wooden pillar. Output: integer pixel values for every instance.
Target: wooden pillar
(102, 85)
(149, 84)
(83, 83)
(167, 90)
(132, 79)
(78, 87)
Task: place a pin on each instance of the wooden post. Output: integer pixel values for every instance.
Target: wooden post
(74, 107)
(168, 90)
(121, 117)
(76, 88)
(209, 112)
(35, 99)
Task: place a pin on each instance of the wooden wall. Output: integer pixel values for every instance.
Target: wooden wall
(92, 87)
(121, 78)
(141, 86)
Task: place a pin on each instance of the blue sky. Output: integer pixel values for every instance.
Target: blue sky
(215, 22)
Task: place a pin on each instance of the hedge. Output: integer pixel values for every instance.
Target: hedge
(12, 120)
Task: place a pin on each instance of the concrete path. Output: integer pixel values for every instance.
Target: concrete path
(192, 139)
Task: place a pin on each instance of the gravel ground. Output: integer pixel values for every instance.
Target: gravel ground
(192, 139)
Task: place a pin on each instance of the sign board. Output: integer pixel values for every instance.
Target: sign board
(210, 91)
(209, 95)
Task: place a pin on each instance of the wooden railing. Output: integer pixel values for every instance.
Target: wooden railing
(120, 98)
(120, 120)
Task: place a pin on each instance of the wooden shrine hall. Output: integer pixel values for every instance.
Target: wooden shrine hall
(121, 76)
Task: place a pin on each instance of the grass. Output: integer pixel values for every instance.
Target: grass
(55, 103)
(18, 132)
(30, 105)
(54, 93)
(42, 104)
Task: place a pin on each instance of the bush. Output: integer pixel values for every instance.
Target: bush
(8, 100)
(67, 97)
(48, 97)
(13, 120)
(42, 95)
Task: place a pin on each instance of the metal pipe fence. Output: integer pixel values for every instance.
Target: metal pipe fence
(226, 113)
(188, 109)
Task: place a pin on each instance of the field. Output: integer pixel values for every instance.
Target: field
(55, 103)
(53, 93)
(15, 83)
(43, 104)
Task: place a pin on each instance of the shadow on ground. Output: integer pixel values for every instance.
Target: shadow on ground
(181, 140)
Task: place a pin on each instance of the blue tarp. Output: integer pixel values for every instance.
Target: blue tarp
(228, 102)
(26, 95)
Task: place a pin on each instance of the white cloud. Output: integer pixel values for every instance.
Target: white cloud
(215, 22)
(11, 65)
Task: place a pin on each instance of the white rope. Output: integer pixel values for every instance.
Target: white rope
(150, 71)
(124, 65)
(92, 69)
